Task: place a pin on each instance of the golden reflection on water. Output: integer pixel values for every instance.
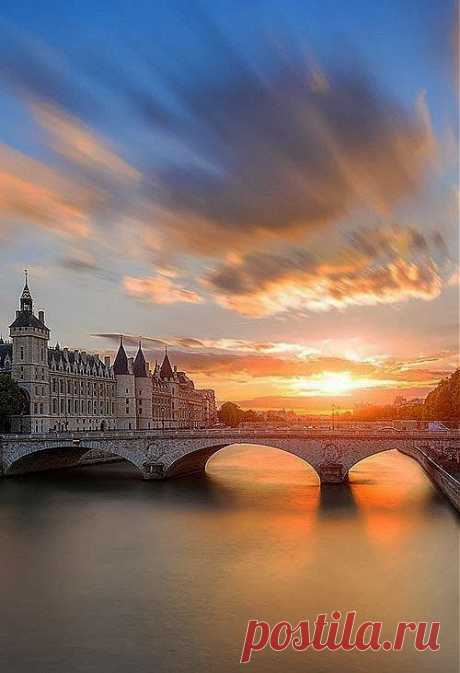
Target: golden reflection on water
(164, 575)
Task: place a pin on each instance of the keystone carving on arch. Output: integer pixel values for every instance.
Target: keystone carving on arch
(156, 450)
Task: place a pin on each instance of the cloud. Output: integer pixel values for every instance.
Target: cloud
(159, 290)
(31, 192)
(269, 153)
(266, 284)
(129, 339)
(69, 137)
(280, 156)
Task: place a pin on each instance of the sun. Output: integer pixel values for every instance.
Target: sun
(336, 383)
(328, 383)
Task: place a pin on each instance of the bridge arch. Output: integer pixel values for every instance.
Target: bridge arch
(42, 458)
(195, 462)
(355, 459)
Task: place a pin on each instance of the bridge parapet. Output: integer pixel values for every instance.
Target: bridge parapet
(171, 453)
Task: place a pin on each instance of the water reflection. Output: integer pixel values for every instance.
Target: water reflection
(103, 571)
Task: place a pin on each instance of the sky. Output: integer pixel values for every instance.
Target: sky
(270, 188)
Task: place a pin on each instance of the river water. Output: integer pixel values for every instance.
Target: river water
(102, 572)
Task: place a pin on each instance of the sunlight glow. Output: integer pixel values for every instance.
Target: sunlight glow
(335, 383)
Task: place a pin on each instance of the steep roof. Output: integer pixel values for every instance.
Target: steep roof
(27, 319)
(78, 358)
(140, 366)
(166, 371)
(25, 316)
(120, 366)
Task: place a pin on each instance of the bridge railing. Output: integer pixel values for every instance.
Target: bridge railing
(235, 432)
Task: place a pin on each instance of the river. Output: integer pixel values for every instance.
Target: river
(102, 572)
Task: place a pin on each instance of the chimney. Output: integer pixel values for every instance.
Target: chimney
(175, 368)
(41, 316)
(107, 360)
(130, 365)
(17, 313)
(96, 356)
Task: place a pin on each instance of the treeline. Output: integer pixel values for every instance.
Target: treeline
(13, 401)
(232, 415)
(442, 404)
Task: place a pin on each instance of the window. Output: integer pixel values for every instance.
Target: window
(62, 405)
(35, 407)
(21, 353)
(41, 407)
(54, 405)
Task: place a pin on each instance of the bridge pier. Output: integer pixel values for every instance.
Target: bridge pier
(332, 473)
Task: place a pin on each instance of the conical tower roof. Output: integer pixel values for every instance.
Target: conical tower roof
(120, 366)
(140, 366)
(166, 371)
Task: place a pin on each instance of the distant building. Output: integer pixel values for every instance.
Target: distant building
(73, 390)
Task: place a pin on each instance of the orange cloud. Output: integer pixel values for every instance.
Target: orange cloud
(73, 140)
(326, 288)
(159, 290)
(30, 192)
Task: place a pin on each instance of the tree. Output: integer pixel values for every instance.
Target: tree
(230, 414)
(250, 416)
(13, 401)
(443, 403)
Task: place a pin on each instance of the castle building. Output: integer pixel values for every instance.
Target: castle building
(71, 390)
(163, 398)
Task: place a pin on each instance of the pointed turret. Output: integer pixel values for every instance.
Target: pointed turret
(26, 298)
(140, 366)
(166, 371)
(120, 366)
(25, 315)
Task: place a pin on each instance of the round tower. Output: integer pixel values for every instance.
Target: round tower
(144, 392)
(30, 336)
(125, 408)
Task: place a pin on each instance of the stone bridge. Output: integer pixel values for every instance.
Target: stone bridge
(162, 455)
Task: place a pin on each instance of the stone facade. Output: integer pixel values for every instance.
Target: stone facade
(65, 389)
(159, 399)
(70, 390)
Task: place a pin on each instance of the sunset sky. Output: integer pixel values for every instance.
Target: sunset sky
(269, 187)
